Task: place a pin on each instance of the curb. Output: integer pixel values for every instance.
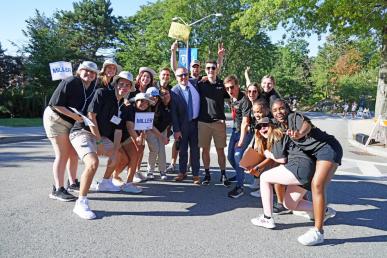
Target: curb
(378, 151)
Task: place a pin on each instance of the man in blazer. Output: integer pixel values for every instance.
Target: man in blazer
(185, 111)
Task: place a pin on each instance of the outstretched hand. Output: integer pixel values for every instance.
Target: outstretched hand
(221, 50)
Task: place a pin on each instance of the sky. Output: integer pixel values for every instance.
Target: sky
(13, 17)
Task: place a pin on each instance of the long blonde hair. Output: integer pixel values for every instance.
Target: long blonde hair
(261, 143)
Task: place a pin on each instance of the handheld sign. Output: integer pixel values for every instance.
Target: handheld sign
(179, 31)
(143, 121)
(61, 70)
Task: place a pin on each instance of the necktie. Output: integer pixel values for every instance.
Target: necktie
(190, 105)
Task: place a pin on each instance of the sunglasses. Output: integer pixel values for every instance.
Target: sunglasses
(162, 94)
(211, 68)
(259, 126)
(182, 75)
(230, 88)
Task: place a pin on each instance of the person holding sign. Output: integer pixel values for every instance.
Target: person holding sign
(105, 76)
(101, 138)
(73, 92)
(157, 138)
(185, 111)
(132, 143)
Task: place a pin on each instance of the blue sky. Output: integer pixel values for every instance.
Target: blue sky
(13, 16)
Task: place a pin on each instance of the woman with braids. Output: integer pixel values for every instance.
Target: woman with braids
(328, 154)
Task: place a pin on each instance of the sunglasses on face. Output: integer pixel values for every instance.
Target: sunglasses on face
(260, 126)
(230, 88)
(182, 75)
(211, 68)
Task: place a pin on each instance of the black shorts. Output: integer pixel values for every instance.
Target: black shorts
(332, 151)
(303, 169)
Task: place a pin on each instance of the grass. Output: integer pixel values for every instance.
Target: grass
(21, 122)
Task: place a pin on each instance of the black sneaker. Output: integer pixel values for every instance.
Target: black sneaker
(61, 195)
(73, 187)
(278, 208)
(206, 180)
(225, 181)
(236, 192)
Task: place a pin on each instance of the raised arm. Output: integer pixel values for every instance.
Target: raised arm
(247, 70)
(221, 52)
(174, 48)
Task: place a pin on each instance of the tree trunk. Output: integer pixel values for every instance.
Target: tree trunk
(381, 95)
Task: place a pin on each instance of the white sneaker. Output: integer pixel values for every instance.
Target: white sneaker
(256, 194)
(131, 188)
(261, 221)
(311, 237)
(163, 176)
(254, 185)
(106, 185)
(305, 214)
(329, 213)
(138, 177)
(82, 209)
(171, 168)
(118, 182)
(150, 176)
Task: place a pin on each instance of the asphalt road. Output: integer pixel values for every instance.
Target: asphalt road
(182, 220)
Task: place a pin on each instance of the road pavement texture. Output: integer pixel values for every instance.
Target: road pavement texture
(182, 220)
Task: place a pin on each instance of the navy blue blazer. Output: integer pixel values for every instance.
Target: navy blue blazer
(179, 110)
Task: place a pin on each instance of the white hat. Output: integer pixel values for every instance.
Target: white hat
(142, 95)
(88, 65)
(153, 92)
(127, 76)
(108, 62)
(147, 69)
(195, 62)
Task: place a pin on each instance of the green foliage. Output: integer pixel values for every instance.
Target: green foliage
(144, 40)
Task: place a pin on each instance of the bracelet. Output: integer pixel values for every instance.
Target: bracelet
(98, 142)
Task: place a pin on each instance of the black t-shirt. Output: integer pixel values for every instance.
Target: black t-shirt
(287, 148)
(314, 140)
(169, 86)
(242, 107)
(270, 96)
(163, 116)
(105, 105)
(212, 101)
(71, 93)
(129, 115)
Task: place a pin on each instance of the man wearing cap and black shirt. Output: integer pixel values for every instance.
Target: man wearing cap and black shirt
(101, 138)
(212, 120)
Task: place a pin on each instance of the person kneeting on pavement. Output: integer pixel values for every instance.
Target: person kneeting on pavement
(103, 137)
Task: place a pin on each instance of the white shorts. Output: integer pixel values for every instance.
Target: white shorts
(84, 142)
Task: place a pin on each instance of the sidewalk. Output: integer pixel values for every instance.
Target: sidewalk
(20, 134)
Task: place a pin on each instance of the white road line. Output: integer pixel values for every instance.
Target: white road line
(368, 169)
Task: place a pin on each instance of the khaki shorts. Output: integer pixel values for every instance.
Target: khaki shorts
(216, 130)
(84, 142)
(54, 125)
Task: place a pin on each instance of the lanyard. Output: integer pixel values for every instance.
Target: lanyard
(87, 97)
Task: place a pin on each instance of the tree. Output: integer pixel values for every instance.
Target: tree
(144, 37)
(89, 28)
(346, 17)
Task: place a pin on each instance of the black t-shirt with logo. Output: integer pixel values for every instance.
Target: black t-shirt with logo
(129, 115)
(212, 101)
(71, 93)
(242, 107)
(105, 105)
(163, 116)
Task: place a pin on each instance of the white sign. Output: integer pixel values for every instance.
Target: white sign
(86, 120)
(143, 121)
(61, 70)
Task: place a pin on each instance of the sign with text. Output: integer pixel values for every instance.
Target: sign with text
(61, 70)
(143, 121)
(179, 31)
(192, 55)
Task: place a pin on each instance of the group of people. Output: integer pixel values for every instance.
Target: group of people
(93, 114)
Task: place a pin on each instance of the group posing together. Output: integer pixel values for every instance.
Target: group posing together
(93, 114)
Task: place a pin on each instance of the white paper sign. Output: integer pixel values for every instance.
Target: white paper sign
(61, 70)
(143, 121)
(86, 120)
